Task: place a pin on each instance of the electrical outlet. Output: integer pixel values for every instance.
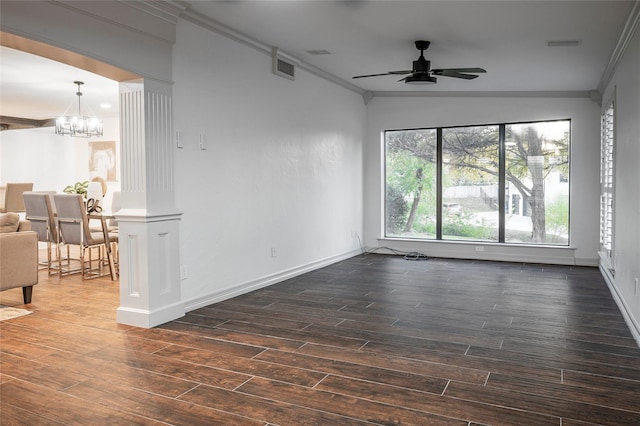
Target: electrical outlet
(274, 252)
(479, 248)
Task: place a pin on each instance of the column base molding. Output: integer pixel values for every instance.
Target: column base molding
(148, 319)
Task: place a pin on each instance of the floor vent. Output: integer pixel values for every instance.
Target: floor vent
(284, 67)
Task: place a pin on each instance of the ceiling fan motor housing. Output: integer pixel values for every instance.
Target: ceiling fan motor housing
(421, 65)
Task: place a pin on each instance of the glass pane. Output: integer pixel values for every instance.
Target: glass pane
(410, 157)
(537, 173)
(470, 183)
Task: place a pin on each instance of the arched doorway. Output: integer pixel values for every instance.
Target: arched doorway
(149, 295)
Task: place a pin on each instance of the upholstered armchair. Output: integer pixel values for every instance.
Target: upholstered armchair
(11, 196)
(18, 255)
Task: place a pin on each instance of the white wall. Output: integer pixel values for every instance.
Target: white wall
(51, 161)
(626, 86)
(406, 113)
(282, 168)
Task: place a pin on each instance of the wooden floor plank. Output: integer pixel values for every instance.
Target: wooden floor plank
(244, 366)
(51, 406)
(626, 398)
(436, 404)
(344, 405)
(382, 360)
(156, 407)
(265, 408)
(553, 402)
(365, 372)
(373, 339)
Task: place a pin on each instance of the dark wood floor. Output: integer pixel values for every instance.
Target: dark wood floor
(372, 340)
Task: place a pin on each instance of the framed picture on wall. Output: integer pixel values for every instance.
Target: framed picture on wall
(102, 160)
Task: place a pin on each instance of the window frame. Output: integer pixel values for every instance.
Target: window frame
(607, 179)
(501, 185)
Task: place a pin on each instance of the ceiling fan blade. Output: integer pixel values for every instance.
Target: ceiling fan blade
(449, 73)
(459, 70)
(385, 73)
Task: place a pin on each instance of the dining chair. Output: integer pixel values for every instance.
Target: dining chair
(40, 212)
(12, 200)
(116, 205)
(73, 227)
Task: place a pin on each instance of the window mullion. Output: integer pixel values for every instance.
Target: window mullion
(501, 183)
(439, 183)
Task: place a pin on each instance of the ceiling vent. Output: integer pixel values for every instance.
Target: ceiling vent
(564, 43)
(283, 65)
(317, 52)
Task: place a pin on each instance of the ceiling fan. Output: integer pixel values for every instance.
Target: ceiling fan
(422, 72)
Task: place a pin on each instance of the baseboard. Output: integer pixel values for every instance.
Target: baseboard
(634, 327)
(587, 261)
(237, 290)
(501, 256)
(555, 255)
(148, 319)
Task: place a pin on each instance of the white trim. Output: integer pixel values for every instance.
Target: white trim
(147, 319)
(486, 94)
(623, 42)
(215, 26)
(634, 327)
(554, 255)
(143, 216)
(246, 287)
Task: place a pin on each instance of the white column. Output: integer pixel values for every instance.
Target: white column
(148, 221)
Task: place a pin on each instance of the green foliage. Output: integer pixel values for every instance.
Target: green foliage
(397, 209)
(411, 175)
(557, 218)
(459, 226)
(77, 188)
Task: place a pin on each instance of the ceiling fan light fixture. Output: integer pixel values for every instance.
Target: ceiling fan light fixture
(421, 78)
(79, 126)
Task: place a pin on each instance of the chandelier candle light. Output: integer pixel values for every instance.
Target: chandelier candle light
(79, 126)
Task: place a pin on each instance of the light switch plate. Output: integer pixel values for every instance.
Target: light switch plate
(180, 139)
(203, 141)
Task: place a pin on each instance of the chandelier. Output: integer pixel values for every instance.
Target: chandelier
(79, 126)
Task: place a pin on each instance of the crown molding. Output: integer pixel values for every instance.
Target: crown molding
(222, 29)
(628, 31)
(595, 95)
(486, 94)
(155, 19)
(166, 10)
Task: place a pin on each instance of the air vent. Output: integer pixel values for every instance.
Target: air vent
(284, 67)
(317, 52)
(564, 43)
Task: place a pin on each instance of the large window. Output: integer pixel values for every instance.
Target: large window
(495, 183)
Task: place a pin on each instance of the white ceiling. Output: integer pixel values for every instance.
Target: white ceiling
(507, 38)
(38, 88)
